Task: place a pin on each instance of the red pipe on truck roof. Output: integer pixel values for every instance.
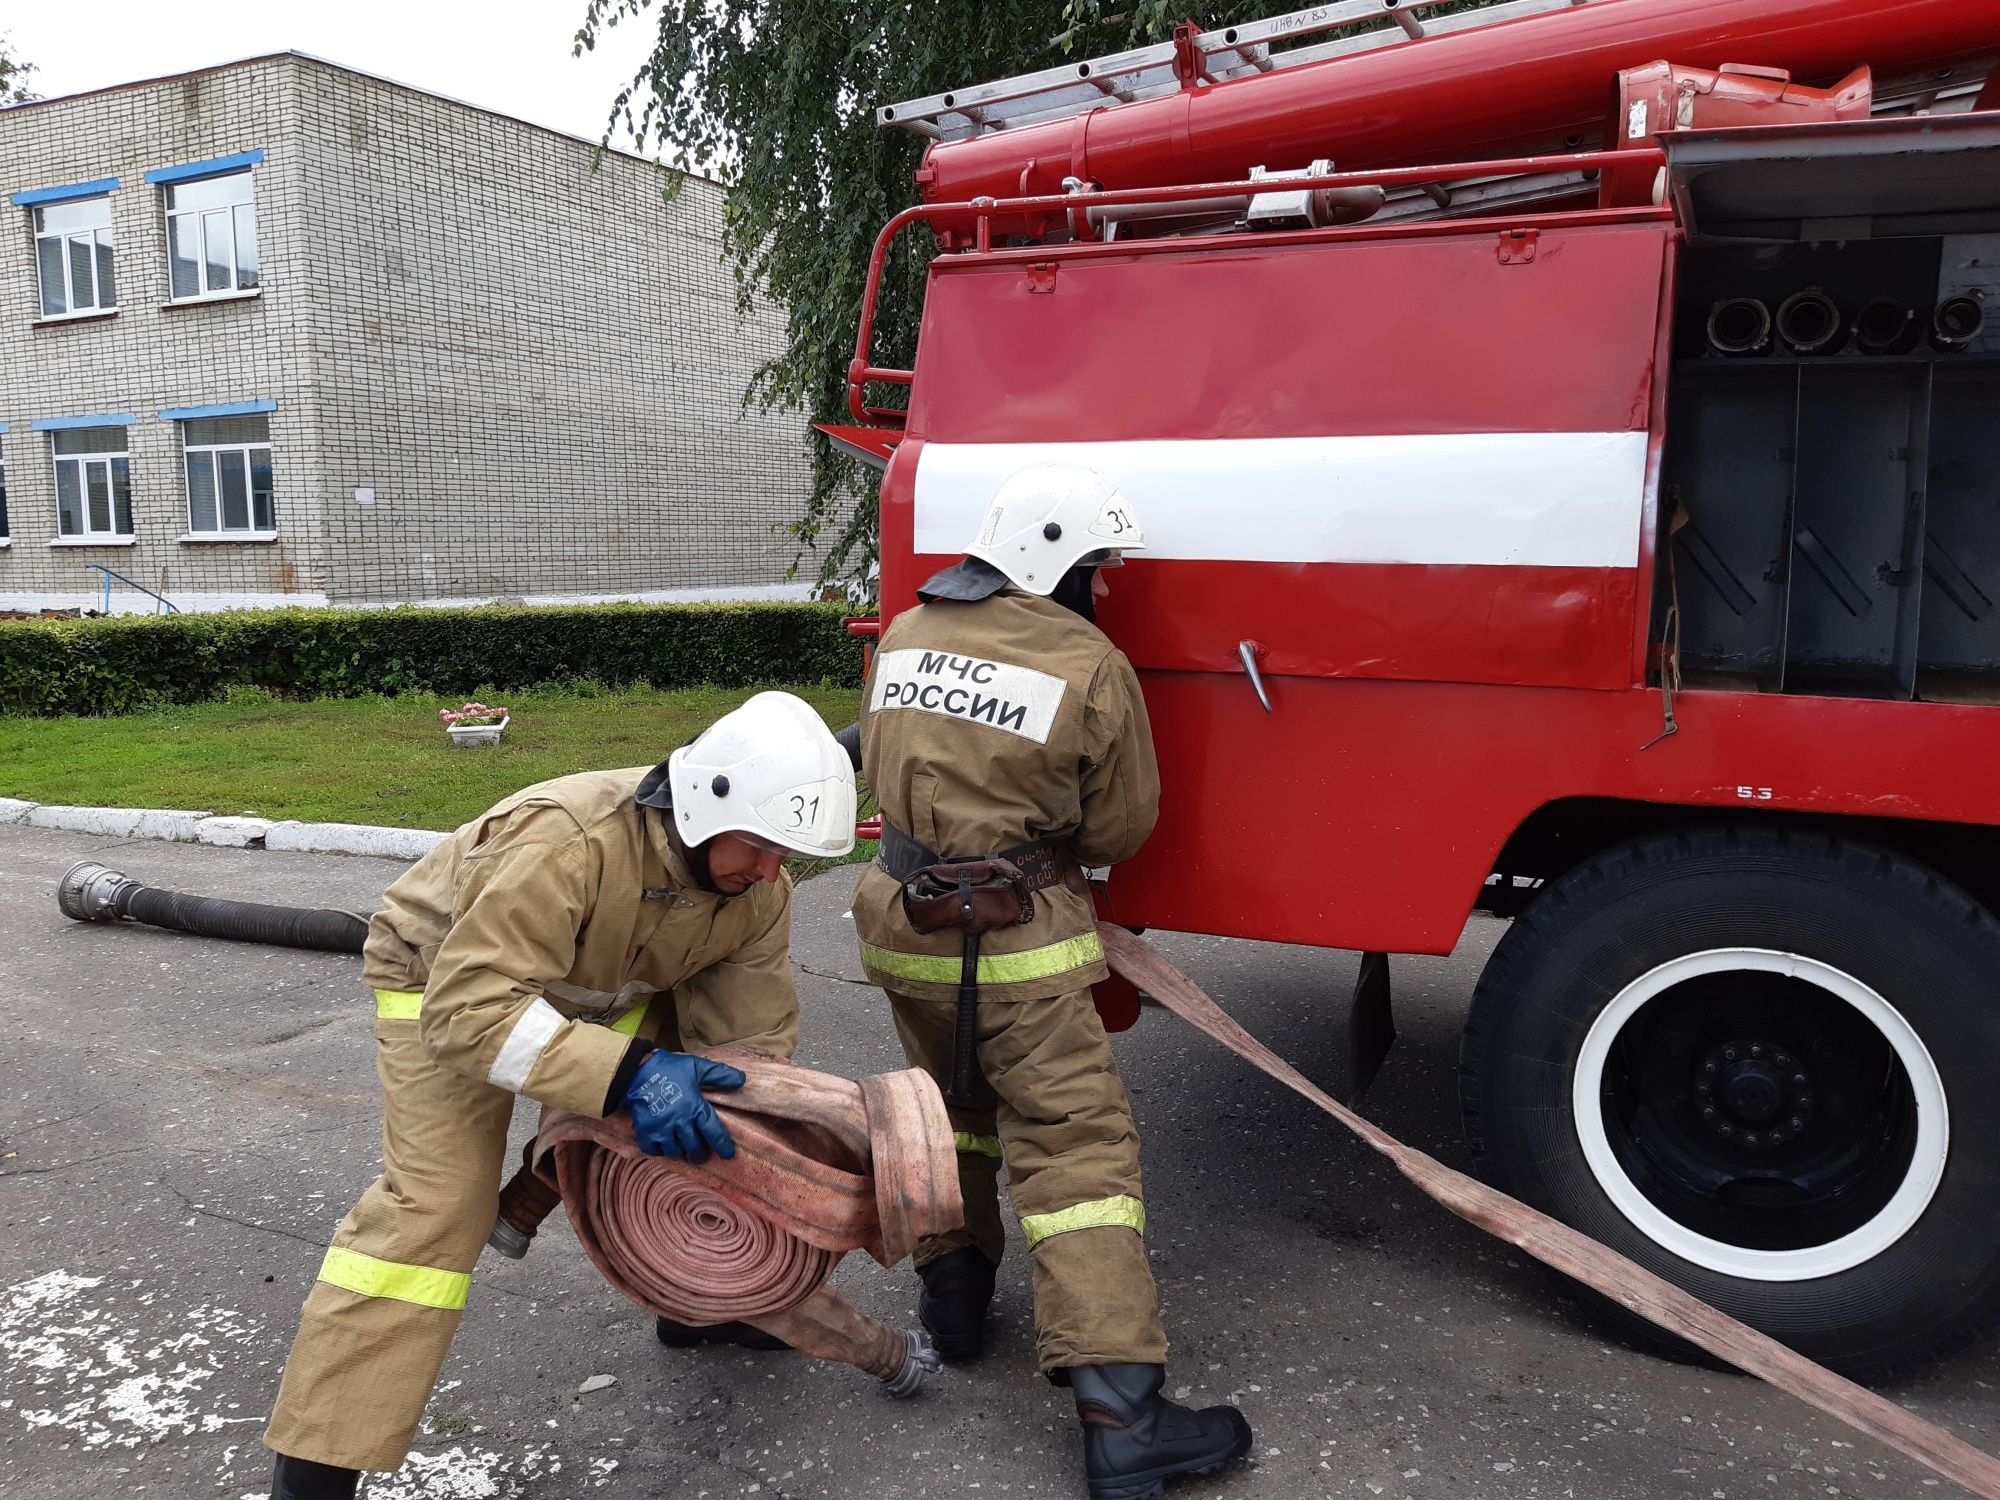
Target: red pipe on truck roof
(1496, 90)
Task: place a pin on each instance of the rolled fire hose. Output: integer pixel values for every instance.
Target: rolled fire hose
(824, 1165)
(1576, 1255)
(90, 892)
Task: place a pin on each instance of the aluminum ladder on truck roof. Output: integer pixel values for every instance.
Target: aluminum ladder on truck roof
(1232, 52)
(1226, 53)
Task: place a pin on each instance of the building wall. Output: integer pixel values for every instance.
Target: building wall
(533, 360)
(524, 355)
(147, 357)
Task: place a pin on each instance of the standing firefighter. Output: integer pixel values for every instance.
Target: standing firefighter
(1000, 723)
(523, 956)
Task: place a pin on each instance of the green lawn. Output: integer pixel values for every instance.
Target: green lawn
(354, 760)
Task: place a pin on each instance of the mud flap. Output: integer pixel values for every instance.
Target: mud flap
(1371, 1029)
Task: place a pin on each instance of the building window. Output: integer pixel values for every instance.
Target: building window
(212, 236)
(73, 250)
(5, 535)
(93, 483)
(229, 476)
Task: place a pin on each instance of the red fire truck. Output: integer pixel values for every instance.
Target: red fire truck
(1567, 437)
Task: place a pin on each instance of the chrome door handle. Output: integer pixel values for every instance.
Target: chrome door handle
(1247, 652)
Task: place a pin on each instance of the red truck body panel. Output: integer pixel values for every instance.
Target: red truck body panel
(1421, 477)
(1232, 361)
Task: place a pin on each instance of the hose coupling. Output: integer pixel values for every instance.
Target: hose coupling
(525, 1201)
(91, 892)
(919, 1360)
(508, 1240)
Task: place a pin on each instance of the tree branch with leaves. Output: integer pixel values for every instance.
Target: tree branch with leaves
(14, 75)
(777, 97)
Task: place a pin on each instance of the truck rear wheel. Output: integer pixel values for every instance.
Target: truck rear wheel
(1764, 1064)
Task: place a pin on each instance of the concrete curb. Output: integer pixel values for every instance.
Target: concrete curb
(353, 838)
(178, 826)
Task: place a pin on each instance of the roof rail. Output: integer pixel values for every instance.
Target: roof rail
(1215, 56)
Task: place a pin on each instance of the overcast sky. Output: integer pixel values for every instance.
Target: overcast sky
(509, 55)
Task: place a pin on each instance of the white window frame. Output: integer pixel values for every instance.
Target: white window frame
(223, 222)
(112, 467)
(100, 244)
(6, 532)
(252, 532)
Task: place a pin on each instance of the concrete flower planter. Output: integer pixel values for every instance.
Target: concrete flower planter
(466, 735)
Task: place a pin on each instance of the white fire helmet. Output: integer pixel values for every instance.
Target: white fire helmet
(1047, 518)
(770, 770)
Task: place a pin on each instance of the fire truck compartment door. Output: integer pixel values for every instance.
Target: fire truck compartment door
(1404, 458)
(1871, 179)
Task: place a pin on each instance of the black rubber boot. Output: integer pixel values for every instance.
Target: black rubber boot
(687, 1335)
(1134, 1438)
(302, 1479)
(958, 1288)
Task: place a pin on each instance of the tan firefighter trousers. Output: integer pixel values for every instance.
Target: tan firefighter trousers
(1053, 1108)
(382, 1314)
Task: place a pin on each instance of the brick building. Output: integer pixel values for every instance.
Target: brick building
(280, 332)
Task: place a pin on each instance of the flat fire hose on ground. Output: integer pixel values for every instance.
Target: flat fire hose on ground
(823, 1165)
(1576, 1255)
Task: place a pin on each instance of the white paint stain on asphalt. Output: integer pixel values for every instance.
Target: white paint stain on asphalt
(464, 1474)
(75, 1368)
(74, 1364)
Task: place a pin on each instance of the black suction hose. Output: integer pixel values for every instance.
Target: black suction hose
(92, 893)
(849, 739)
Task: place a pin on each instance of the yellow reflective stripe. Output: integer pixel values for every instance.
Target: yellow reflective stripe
(975, 1145)
(398, 1005)
(628, 1024)
(994, 968)
(1128, 1212)
(423, 1285)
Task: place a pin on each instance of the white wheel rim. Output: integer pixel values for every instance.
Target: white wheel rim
(1912, 1196)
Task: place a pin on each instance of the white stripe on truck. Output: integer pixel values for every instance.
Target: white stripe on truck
(1499, 499)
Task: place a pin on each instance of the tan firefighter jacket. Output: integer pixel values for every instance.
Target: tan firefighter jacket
(569, 900)
(987, 725)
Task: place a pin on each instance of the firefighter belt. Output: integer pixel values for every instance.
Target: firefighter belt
(1041, 862)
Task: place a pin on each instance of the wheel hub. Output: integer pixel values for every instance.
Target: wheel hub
(1753, 1093)
(1760, 1113)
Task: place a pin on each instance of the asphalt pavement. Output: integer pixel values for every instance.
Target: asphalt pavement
(183, 1122)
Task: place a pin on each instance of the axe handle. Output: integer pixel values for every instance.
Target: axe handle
(965, 1034)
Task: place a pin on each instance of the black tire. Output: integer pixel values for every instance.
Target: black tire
(1842, 1166)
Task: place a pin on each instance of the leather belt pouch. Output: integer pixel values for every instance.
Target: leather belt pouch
(976, 895)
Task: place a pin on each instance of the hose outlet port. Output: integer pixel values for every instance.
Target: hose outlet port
(1885, 326)
(1809, 322)
(1738, 326)
(1957, 321)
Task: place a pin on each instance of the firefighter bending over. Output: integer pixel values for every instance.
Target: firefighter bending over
(999, 721)
(564, 946)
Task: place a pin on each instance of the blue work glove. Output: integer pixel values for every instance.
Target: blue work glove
(669, 1116)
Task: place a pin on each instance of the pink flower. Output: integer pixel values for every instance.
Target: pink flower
(473, 714)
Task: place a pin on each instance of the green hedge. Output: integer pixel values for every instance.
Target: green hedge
(129, 663)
